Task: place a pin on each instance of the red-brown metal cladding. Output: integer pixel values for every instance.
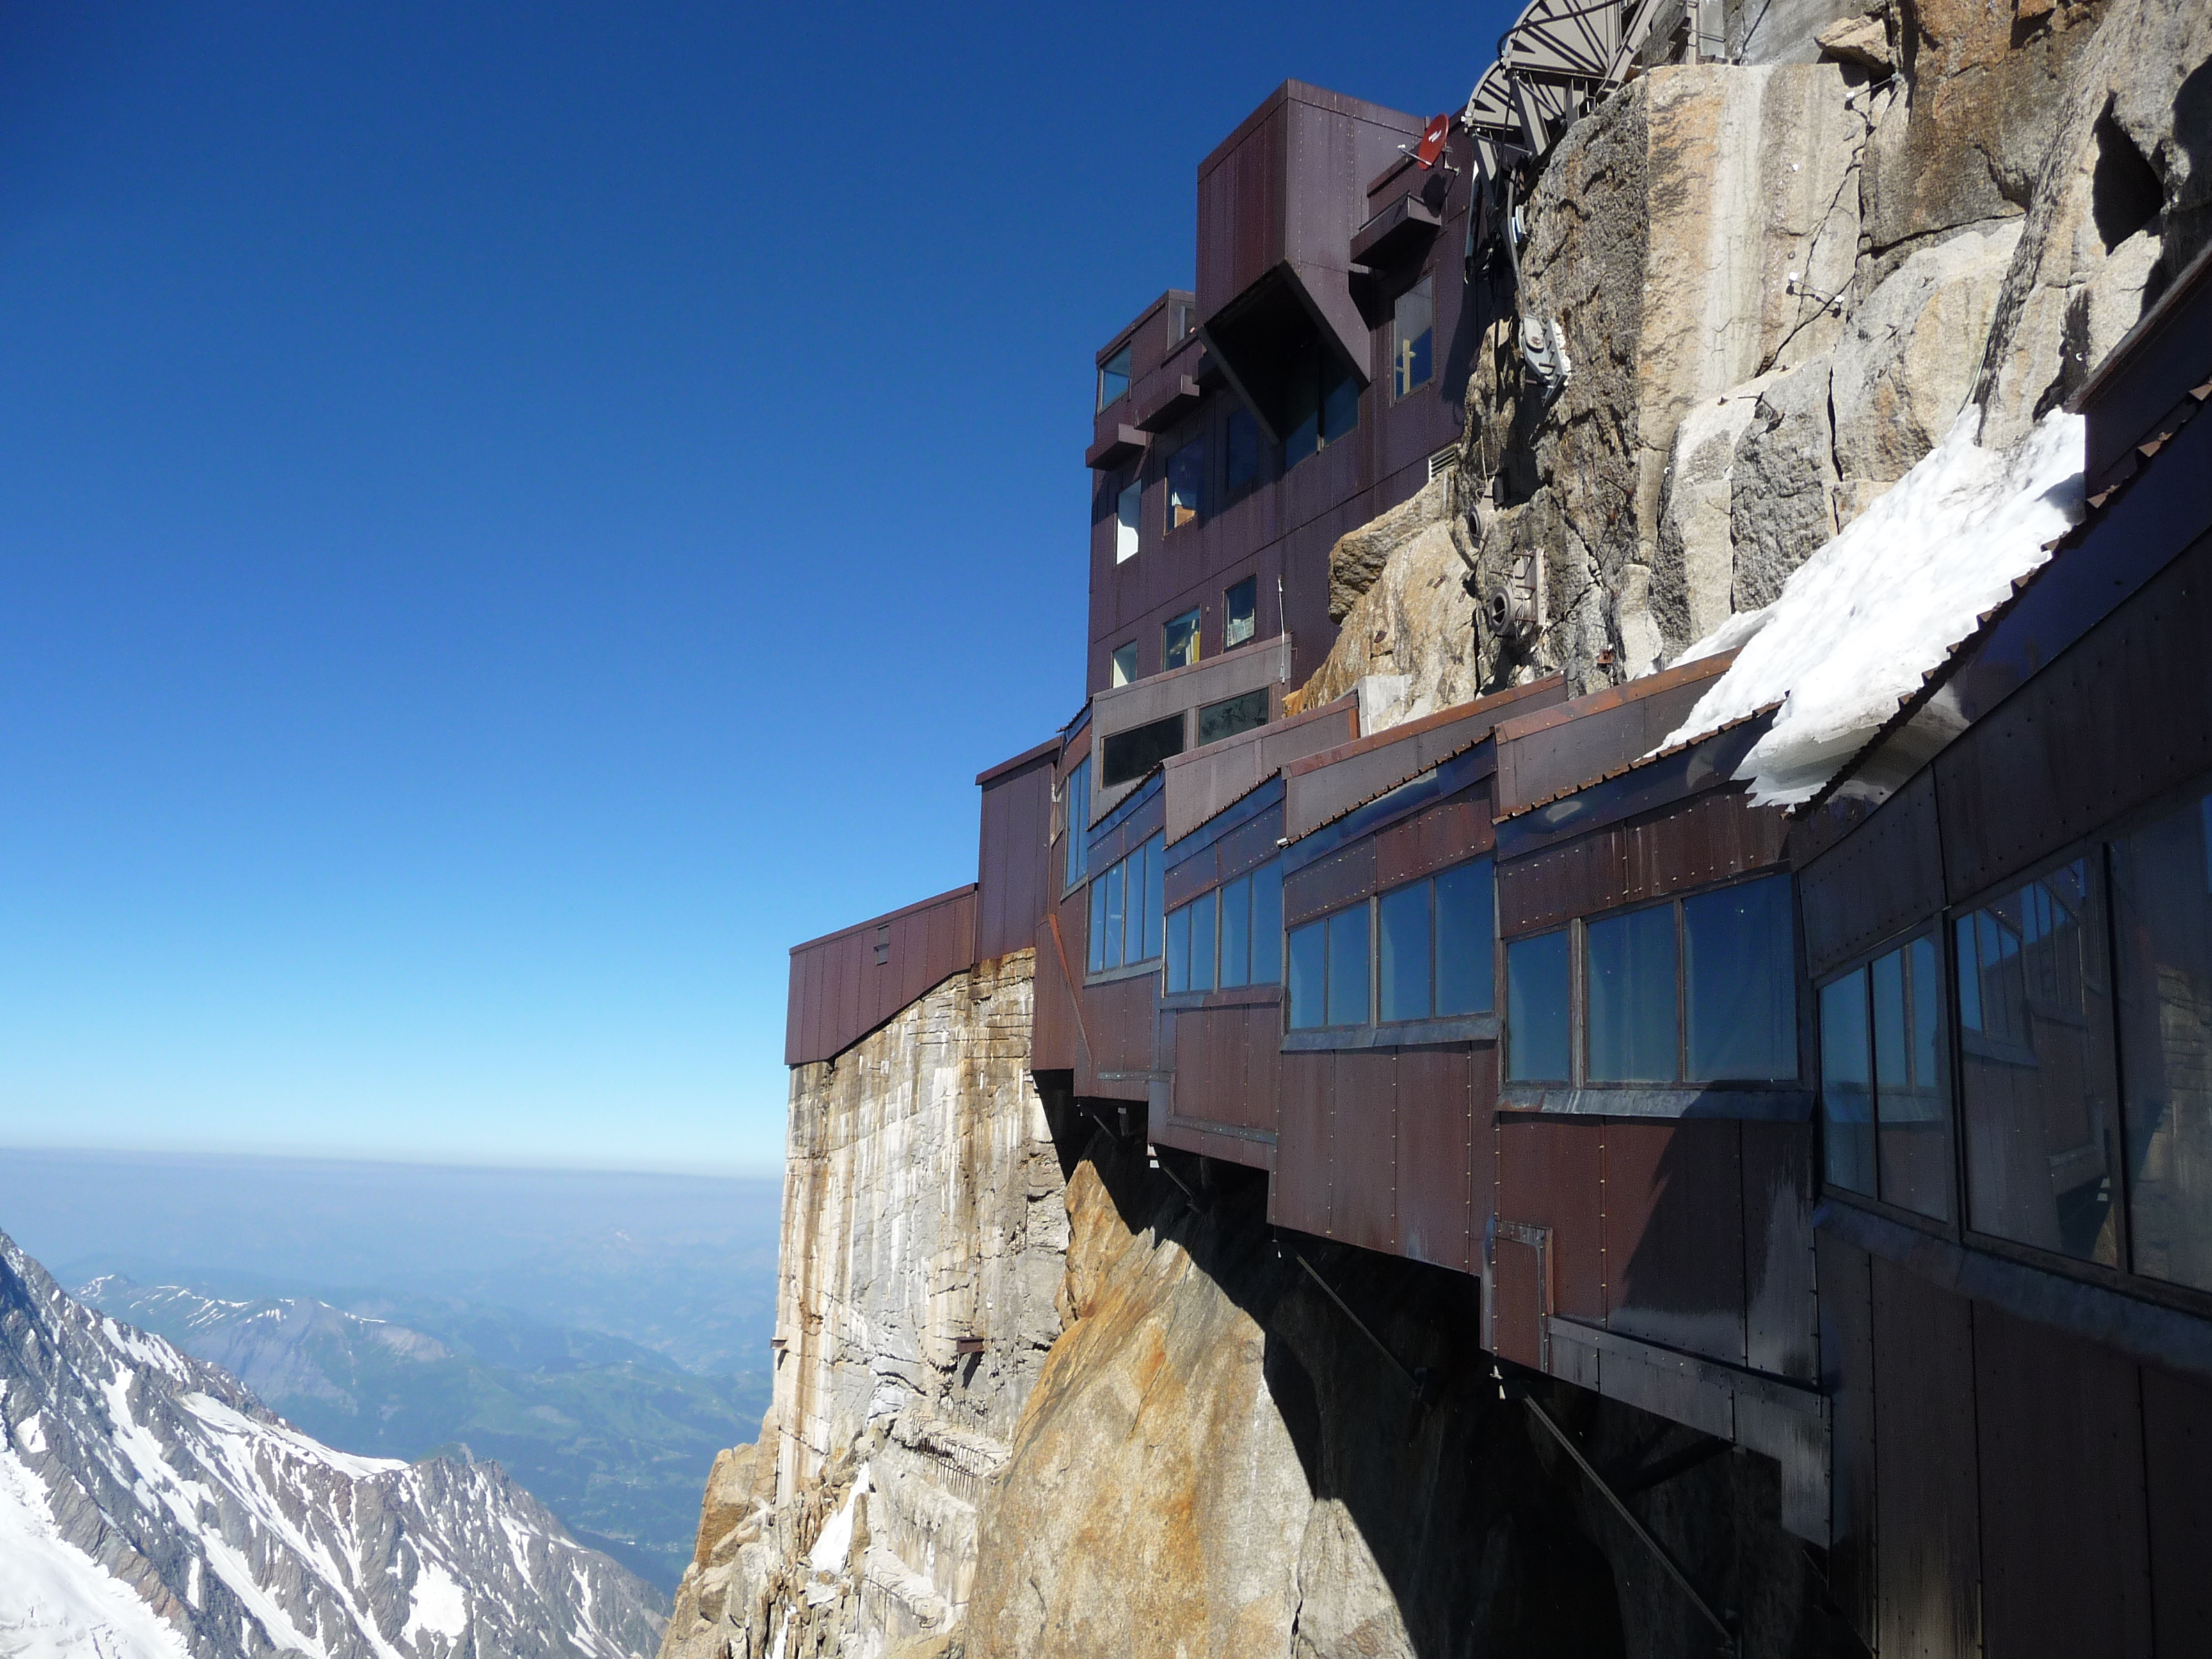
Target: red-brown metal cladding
(1715, 837)
(1435, 1143)
(1928, 1555)
(1055, 1035)
(2178, 1428)
(1013, 881)
(1118, 1018)
(1885, 877)
(1673, 1234)
(2065, 1559)
(1444, 835)
(1781, 1334)
(1520, 1297)
(1363, 1134)
(1298, 1196)
(1846, 1275)
(843, 986)
(1554, 750)
(2123, 715)
(1550, 1175)
(1330, 882)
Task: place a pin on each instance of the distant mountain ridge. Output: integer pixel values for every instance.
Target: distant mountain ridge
(152, 1508)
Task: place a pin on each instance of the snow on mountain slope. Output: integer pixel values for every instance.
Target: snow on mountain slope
(151, 1508)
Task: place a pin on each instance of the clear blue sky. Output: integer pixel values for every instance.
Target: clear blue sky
(510, 517)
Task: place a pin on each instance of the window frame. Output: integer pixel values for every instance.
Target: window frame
(1399, 393)
(1484, 1025)
(1170, 507)
(1196, 617)
(1114, 676)
(1129, 519)
(1125, 354)
(1216, 899)
(1228, 612)
(1937, 929)
(1139, 874)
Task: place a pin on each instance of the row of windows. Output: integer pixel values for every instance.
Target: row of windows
(1695, 990)
(1425, 951)
(1229, 937)
(1179, 636)
(2083, 1004)
(1125, 909)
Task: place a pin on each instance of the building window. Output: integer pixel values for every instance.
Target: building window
(1225, 719)
(2162, 920)
(1739, 983)
(1124, 910)
(1466, 941)
(1077, 796)
(2034, 1018)
(1536, 1046)
(1127, 506)
(1183, 318)
(1124, 667)
(1433, 954)
(1886, 1125)
(1240, 613)
(1229, 937)
(1179, 641)
(1324, 404)
(1125, 757)
(1412, 338)
(1329, 976)
(1241, 439)
(1629, 971)
(1186, 484)
(1113, 377)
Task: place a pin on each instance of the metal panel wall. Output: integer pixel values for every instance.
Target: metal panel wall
(1552, 751)
(1204, 781)
(2177, 1431)
(1014, 852)
(1877, 882)
(1298, 1196)
(1551, 1174)
(1928, 1556)
(1674, 1236)
(1437, 1137)
(1364, 1151)
(1715, 837)
(839, 990)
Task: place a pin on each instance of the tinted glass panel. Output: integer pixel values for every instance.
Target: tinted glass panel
(1846, 1098)
(1079, 821)
(2036, 1067)
(1412, 335)
(1267, 924)
(1125, 664)
(1201, 944)
(1740, 983)
(1098, 924)
(1226, 719)
(1179, 643)
(1113, 377)
(1632, 997)
(1912, 1116)
(1127, 506)
(1127, 756)
(1236, 932)
(1243, 438)
(1466, 940)
(1240, 613)
(1402, 952)
(1309, 975)
(1339, 411)
(1154, 857)
(1114, 909)
(2162, 917)
(1347, 967)
(1185, 484)
(1536, 1008)
(1179, 949)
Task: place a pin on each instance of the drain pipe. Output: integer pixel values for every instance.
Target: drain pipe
(1731, 1639)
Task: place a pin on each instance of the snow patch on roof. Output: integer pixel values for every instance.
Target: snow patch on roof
(1860, 625)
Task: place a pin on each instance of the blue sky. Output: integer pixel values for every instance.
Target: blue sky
(512, 517)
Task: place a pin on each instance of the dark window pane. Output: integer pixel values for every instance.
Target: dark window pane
(1536, 1008)
(1846, 1099)
(1179, 642)
(1339, 412)
(1128, 507)
(1632, 997)
(1127, 756)
(2036, 1069)
(1124, 668)
(1309, 973)
(1402, 955)
(2162, 917)
(1244, 440)
(1911, 1113)
(1226, 719)
(1114, 909)
(1236, 932)
(1155, 857)
(1412, 334)
(1347, 967)
(1240, 614)
(1113, 377)
(1201, 944)
(1466, 940)
(1267, 924)
(1186, 484)
(1098, 924)
(1302, 410)
(1740, 983)
(1079, 821)
(1179, 949)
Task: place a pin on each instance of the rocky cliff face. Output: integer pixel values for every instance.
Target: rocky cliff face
(924, 1232)
(150, 1508)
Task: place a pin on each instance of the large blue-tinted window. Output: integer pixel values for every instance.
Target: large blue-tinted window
(1236, 932)
(1097, 925)
(1536, 1008)
(2036, 1074)
(1846, 1085)
(1402, 953)
(1267, 924)
(1631, 989)
(1309, 965)
(1078, 822)
(1347, 967)
(1126, 923)
(1465, 909)
(1202, 915)
(1116, 910)
(1145, 935)
(1740, 983)
(1178, 946)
